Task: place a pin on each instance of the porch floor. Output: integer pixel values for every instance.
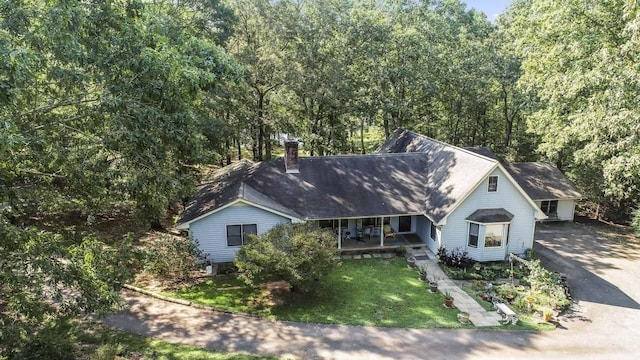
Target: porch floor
(374, 242)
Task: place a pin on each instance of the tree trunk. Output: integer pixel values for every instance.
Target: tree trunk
(227, 150)
(362, 135)
(239, 148)
(385, 119)
(260, 125)
(268, 151)
(508, 120)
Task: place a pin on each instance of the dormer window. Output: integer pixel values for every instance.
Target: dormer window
(493, 184)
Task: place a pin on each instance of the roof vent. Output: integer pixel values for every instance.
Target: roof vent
(291, 164)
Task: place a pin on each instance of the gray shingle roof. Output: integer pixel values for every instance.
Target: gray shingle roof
(486, 216)
(542, 181)
(326, 187)
(453, 171)
(410, 174)
(483, 150)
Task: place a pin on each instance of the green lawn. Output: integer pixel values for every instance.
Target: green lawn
(358, 292)
(98, 341)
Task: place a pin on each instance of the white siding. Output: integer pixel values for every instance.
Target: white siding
(454, 234)
(422, 225)
(566, 209)
(211, 231)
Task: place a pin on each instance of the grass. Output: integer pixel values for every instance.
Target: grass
(370, 292)
(98, 340)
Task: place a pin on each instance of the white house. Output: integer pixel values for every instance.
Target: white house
(548, 187)
(414, 191)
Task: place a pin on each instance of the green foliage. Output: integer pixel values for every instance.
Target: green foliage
(297, 253)
(580, 62)
(172, 257)
(48, 343)
(635, 221)
(45, 281)
(103, 105)
(107, 352)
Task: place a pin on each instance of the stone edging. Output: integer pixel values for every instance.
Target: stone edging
(189, 303)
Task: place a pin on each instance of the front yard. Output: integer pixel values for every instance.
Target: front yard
(370, 292)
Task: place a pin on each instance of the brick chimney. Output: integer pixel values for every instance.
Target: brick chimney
(291, 157)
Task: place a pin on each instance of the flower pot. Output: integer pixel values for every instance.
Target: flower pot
(448, 302)
(433, 287)
(411, 261)
(547, 316)
(463, 317)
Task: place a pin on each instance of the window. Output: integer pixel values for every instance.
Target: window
(493, 235)
(433, 232)
(249, 229)
(493, 184)
(325, 224)
(333, 224)
(474, 229)
(238, 235)
(374, 221)
(549, 207)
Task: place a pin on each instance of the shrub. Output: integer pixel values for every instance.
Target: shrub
(635, 221)
(107, 352)
(455, 258)
(51, 342)
(296, 253)
(172, 257)
(400, 251)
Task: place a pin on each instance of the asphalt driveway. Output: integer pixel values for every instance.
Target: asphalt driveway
(602, 264)
(603, 269)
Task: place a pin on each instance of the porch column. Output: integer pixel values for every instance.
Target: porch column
(339, 235)
(382, 231)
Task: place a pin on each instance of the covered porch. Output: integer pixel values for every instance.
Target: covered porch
(405, 240)
(368, 233)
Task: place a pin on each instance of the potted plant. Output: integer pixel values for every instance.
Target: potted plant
(463, 317)
(411, 261)
(433, 285)
(423, 273)
(448, 299)
(547, 314)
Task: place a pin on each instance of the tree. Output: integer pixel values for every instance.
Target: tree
(100, 105)
(296, 253)
(108, 99)
(580, 64)
(46, 282)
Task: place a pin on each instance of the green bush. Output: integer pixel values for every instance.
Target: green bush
(296, 253)
(172, 257)
(107, 352)
(635, 221)
(51, 342)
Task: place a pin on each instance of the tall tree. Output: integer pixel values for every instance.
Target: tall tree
(580, 59)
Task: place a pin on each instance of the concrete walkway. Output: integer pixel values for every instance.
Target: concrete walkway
(477, 314)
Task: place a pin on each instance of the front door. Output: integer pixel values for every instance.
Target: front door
(404, 224)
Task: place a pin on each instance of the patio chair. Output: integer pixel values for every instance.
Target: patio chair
(366, 234)
(389, 232)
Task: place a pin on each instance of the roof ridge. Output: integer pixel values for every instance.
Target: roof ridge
(453, 146)
(361, 155)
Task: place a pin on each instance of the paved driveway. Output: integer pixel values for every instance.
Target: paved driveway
(603, 267)
(603, 272)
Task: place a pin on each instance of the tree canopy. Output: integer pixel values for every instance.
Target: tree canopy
(118, 106)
